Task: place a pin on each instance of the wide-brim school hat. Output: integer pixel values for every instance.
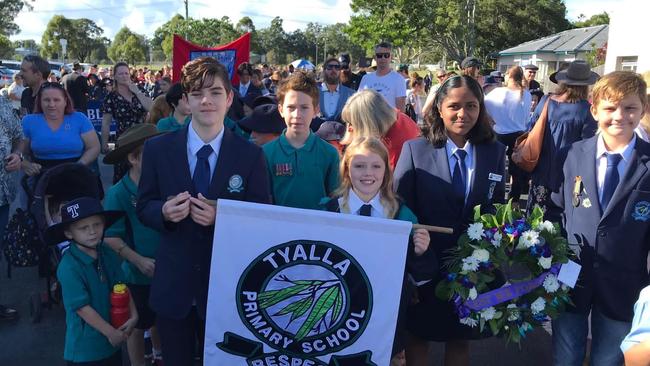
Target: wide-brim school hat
(578, 73)
(265, 119)
(79, 209)
(130, 139)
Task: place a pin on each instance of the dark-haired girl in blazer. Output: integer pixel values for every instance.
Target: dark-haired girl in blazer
(456, 165)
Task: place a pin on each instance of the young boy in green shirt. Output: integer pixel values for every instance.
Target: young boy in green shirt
(87, 273)
(303, 167)
(142, 241)
(181, 110)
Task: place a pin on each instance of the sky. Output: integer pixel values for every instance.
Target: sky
(144, 16)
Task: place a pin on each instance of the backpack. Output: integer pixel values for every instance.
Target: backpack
(21, 241)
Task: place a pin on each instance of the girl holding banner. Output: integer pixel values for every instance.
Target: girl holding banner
(454, 166)
(366, 190)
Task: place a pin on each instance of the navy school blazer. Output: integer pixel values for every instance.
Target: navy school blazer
(613, 245)
(185, 251)
(423, 181)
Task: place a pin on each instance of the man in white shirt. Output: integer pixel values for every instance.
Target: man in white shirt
(385, 80)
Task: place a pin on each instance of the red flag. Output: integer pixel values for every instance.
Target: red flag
(230, 55)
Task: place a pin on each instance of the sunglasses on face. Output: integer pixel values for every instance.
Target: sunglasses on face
(382, 54)
(333, 67)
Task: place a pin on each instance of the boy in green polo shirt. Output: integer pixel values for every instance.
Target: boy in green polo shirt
(87, 273)
(142, 241)
(303, 167)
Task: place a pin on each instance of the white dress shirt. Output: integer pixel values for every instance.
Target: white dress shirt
(243, 88)
(355, 203)
(194, 144)
(601, 162)
(469, 162)
(330, 100)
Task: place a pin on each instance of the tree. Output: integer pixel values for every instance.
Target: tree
(58, 27)
(456, 27)
(6, 47)
(85, 39)
(9, 9)
(596, 19)
(128, 46)
(273, 42)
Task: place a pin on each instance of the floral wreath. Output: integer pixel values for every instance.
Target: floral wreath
(493, 245)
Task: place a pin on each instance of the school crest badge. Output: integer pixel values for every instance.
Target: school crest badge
(235, 184)
(641, 211)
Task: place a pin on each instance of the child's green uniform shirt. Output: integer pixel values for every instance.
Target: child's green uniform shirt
(81, 284)
(170, 124)
(301, 177)
(122, 197)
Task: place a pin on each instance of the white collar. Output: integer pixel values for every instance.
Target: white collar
(626, 151)
(194, 142)
(324, 88)
(355, 203)
(245, 85)
(451, 148)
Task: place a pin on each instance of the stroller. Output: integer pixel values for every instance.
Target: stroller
(54, 187)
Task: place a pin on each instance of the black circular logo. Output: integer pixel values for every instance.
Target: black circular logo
(305, 297)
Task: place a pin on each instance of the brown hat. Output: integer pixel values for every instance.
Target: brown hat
(578, 73)
(130, 140)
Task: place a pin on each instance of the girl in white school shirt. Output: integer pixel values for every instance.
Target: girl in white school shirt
(366, 189)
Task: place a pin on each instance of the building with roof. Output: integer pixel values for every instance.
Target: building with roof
(625, 51)
(549, 52)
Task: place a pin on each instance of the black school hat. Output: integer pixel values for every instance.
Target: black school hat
(265, 119)
(79, 209)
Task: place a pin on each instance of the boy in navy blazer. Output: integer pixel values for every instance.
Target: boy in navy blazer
(604, 197)
(183, 173)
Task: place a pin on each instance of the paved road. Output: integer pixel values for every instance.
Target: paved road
(23, 343)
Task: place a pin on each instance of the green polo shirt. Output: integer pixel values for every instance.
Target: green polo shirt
(170, 124)
(301, 177)
(81, 285)
(234, 127)
(145, 241)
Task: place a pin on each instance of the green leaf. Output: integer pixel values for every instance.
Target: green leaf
(282, 295)
(301, 310)
(338, 306)
(477, 213)
(493, 327)
(308, 282)
(298, 308)
(321, 307)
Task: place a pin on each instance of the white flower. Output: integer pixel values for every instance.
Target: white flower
(472, 293)
(514, 314)
(470, 264)
(545, 262)
(475, 231)
(488, 313)
(546, 225)
(538, 305)
(469, 322)
(551, 283)
(481, 255)
(529, 238)
(496, 239)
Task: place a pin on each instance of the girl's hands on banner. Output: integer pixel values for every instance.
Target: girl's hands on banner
(420, 241)
(201, 211)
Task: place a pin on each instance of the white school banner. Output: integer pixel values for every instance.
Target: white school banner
(292, 287)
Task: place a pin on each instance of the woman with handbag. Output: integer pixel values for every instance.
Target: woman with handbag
(509, 107)
(568, 120)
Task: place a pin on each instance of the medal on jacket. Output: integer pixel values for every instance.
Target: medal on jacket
(577, 189)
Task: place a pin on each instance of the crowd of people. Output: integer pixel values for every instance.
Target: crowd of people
(380, 143)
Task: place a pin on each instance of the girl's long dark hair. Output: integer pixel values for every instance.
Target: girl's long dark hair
(434, 128)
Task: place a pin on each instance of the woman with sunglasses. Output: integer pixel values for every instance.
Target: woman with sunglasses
(127, 105)
(55, 133)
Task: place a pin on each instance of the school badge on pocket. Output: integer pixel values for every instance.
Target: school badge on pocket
(641, 211)
(235, 184)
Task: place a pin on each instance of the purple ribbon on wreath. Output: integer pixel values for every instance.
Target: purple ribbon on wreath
(500, 295)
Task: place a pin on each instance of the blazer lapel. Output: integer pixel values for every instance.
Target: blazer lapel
(178, 152)
(440, 164)
(635, 170)
(339, 104)
(225, 164)
(589, 178)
